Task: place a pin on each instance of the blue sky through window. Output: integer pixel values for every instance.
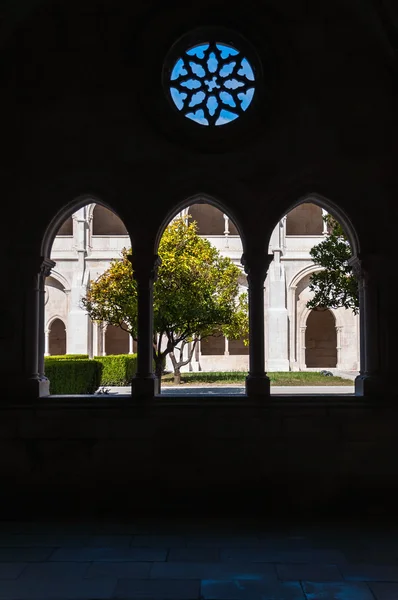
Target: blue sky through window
(212, 84)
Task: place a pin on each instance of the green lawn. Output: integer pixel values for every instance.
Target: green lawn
(277, 378)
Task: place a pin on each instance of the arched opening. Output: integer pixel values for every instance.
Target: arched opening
(321, 340)
(117, 341)
(209, 349)
(106, 222)
(299, 333)
(74, 267)
(57, 338)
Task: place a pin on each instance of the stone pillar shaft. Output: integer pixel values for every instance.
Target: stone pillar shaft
(256, 267)
(145, 266)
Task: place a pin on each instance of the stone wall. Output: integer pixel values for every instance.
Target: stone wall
(305, 455)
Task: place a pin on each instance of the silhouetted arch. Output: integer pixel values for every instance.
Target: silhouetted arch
(63, 214)
(200, 199)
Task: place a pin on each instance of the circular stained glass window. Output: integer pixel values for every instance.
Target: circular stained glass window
(212, 83)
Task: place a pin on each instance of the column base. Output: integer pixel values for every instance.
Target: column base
(144, 387)
(32, 389)
(258, 385)
(370, 385)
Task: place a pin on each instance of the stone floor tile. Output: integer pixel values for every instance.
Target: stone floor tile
(193, 554)
(226, 541)
(58, 588)
(337, 591)
(158, 589)
(109, 541)
(283, 556)
(25, 554)
(158, 541)
(120, 570)
(384, 590)
(42, 539)
(308, 572)
(9, 570)
(211, 570)
(250, 588)
(111, 554)
(365, 572)
(51, 570)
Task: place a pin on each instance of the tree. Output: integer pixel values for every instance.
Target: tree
(196, 295)
(334, 285)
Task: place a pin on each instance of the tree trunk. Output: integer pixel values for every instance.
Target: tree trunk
(177, 376)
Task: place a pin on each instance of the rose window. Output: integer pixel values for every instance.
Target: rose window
(212, 83)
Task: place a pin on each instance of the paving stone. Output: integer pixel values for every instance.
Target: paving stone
(11, 570)
(109, 541)
(159, 541)
(120, 570)
(364, 572)
(250, 588)
(25, 554)
(44, 539)
(111, 554)
(53, 588)
(337, 591)
(308, 572)
(48, 570)
(193, 554)
(284, 556)
(210, 570)
(384, 591)
(158, 589)
(223, 541)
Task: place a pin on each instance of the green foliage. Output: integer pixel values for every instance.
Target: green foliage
(118, 369)
(335, 285)
(196, 294)
(72, 376)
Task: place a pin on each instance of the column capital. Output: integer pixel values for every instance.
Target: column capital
(46, 266)
(256, 265)
(145, 267)
(366, 267)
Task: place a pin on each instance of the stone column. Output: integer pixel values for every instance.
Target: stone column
(302, 363)
(339, 329)
(256, 267)
(45, 271)
(34, 385)
(226, 230)
(325, 225)
(144, 383)
(293, 358)
(367, 270)
(47, 342)
(226, 346)
(278, 327)
(131, 344)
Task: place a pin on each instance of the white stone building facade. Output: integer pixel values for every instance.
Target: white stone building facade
(296, 338)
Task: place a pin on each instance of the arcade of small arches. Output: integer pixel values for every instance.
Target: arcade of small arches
(290, 337)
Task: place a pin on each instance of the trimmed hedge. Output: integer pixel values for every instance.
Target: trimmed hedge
(73, 376)
(118, 369)
(68, 356)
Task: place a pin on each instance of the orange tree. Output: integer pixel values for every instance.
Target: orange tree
(196, 295)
